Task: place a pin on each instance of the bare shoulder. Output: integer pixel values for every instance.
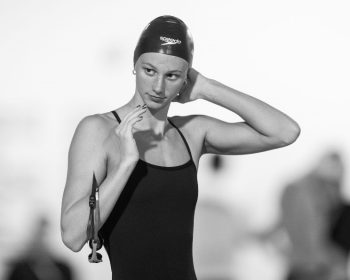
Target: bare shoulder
(96, 126)
(195, 126)
(186, 120)
(193, 130)
(197, 122)
(91, 138)
(192, 125)
(91, 128)
(87, 152)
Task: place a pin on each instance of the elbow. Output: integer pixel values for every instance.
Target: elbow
(75, 244)
(290, 134)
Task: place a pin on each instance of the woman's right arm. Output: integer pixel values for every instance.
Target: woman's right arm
(88, 155)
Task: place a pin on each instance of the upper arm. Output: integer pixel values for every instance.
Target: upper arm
(225, 138)
(86, 156)
(211, 135)
(233, 138)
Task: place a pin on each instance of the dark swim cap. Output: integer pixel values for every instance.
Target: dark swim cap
(166, 35)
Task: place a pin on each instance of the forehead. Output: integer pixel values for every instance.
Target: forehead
(164, 61)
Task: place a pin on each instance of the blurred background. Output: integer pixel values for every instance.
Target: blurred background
(63, 60)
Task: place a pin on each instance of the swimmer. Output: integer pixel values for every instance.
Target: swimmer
(146, 162)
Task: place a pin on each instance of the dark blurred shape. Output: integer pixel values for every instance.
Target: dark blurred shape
(340, 232)
(38, 263)
(216, 162)
(310, 206)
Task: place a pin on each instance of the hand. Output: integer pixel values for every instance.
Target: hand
(127, 144)
(192, 90)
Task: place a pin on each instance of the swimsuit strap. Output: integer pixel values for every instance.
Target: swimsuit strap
(116, 116)
(183, 138)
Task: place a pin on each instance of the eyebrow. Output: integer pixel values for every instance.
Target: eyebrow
(170, 71)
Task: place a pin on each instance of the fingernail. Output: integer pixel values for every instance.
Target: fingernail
(144, 106)
(138, 106)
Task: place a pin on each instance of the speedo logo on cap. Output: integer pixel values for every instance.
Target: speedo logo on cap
(169, 41)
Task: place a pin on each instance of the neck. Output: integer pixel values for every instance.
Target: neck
(153, 120)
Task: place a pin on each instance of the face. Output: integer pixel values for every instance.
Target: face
(159, 78)
(331, 168)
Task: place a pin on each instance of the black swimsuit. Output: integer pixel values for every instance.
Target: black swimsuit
(149, 233)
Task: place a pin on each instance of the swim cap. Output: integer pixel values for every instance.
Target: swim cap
(166, 35)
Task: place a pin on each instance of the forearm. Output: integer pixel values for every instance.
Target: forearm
(75, 219)
(264, 118)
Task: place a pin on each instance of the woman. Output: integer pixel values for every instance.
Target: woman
(146, 162)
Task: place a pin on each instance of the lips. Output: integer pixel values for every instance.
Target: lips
(156, 98)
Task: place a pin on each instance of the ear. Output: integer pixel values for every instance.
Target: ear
(184, 86)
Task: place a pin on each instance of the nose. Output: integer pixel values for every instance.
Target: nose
(158, 85)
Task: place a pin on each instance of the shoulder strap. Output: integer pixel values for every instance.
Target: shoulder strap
(116, 116)
(183, 138)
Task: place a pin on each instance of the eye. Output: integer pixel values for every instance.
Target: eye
(149, 71)
(172, 76)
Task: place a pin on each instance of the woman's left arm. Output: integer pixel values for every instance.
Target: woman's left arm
(264, 127)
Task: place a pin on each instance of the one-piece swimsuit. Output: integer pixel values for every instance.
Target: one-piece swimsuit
(149, 233)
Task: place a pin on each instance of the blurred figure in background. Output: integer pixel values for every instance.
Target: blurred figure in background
(38, 262)
(309, 207)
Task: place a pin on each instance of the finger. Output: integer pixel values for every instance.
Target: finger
(135, 112)
(123, 126)
(127, 131)
(130, 120)
(134, 115)
(130, 125)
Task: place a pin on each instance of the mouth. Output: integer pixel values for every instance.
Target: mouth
(154, 97)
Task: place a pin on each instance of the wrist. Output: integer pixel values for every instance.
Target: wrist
(210, 87)
(125, 164)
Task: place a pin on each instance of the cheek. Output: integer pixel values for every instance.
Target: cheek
(142, 84)
(174, 87)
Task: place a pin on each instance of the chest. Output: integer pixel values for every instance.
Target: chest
(170, 152)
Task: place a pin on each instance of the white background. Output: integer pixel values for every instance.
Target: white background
(63, 60)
